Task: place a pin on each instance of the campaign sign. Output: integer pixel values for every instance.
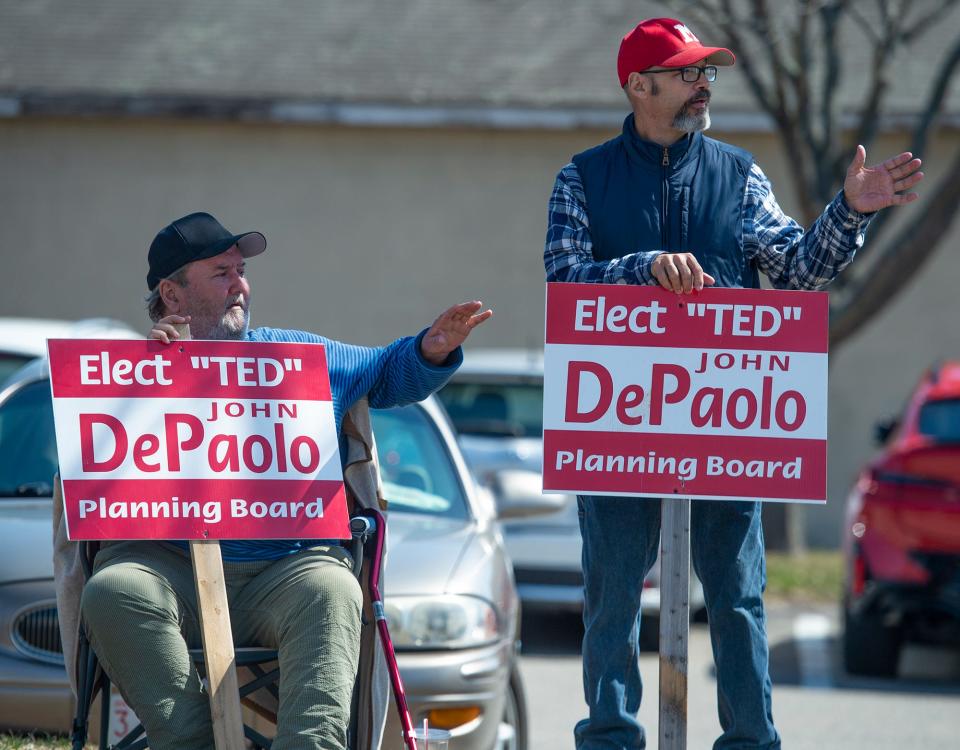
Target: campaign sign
(196, 440)
(715, 395)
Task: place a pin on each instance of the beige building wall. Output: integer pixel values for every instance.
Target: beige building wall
(371, 233)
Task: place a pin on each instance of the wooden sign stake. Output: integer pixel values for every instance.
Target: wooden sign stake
(218, 653)
(674, 621)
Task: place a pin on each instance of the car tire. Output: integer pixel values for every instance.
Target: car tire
(650, 633)
(515, 712)
(870, 648)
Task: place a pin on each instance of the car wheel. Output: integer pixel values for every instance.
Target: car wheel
(870, 647)
(513, 734)
(650, 633)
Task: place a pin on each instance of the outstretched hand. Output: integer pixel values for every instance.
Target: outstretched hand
(868, 189)
(450, 330)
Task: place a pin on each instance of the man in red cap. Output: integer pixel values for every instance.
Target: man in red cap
(663, 204)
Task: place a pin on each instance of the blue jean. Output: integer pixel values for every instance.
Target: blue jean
(620, 542)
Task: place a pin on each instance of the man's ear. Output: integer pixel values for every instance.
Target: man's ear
(638, 86)
(171, 294)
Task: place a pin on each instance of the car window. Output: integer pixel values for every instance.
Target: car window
(495, 409)
(940, 420)
(10, 363)
(28, 448)
(418, 473)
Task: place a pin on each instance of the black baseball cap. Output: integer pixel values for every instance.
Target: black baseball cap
(195, 237)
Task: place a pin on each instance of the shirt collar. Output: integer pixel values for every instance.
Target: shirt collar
(651, 153)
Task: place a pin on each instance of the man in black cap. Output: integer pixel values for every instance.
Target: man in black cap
(176, 247)
(663, 204)
(298, 596)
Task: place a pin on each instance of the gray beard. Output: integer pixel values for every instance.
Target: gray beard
(229, 331)
(691, 122)
(227, 328)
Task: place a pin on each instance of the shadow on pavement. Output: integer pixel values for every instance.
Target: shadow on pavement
(544, 632)
(811, 663)
(550, 633)
(819, 665)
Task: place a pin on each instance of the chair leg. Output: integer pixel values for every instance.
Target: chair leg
(87, 669)
(131, 741)
(259, 741)
(104, 712)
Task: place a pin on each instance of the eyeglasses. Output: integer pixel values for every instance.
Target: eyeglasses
(691, 73)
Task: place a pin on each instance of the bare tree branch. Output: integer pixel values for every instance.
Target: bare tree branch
(921, 133)
(763, 30)
(902, 258)
(922, 24)
(787, 114)
(865, 26)
(800, 81)
(830, 14)
(879, 83)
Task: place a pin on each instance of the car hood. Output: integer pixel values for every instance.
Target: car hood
(488, 454)
(920, 459)
(423, 552)
(27, 549)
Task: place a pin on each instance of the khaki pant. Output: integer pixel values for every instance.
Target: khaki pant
(141, 614)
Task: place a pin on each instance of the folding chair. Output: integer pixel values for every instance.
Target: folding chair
(92, 679)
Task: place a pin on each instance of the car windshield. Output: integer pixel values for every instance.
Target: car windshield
(10, 363)
(495, 409)
(28, 449)
(940, 420)
(417, 471)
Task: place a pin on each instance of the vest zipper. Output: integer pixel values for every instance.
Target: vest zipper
(665, 167)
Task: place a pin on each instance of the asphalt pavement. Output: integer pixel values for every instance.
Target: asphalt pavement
(816, 705)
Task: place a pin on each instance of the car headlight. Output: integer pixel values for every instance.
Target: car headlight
(449, 621)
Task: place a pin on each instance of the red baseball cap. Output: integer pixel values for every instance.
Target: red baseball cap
(665, 42)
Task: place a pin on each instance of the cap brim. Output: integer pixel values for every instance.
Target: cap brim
(708, 55)
(251, 243)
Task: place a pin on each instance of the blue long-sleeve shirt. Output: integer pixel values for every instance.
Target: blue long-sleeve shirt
(391, 375)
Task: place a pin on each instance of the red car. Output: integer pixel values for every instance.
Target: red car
(902, 534)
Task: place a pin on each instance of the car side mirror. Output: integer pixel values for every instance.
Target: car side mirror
(519, 494)
(883, 429)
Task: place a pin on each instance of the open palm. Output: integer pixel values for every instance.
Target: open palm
(869, 189)
(451, 329)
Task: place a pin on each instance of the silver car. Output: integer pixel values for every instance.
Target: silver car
(450, 595)
(495, 401)
(24, 339)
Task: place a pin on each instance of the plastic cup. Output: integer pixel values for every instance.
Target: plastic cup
(432, 739)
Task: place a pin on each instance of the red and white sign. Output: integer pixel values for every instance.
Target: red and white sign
(717, 395)
(197, 440)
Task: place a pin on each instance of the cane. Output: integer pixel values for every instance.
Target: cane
(379, 524)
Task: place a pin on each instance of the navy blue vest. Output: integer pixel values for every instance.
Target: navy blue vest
(687, 197)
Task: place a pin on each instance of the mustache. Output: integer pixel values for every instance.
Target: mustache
(237, 300)
(703, 96)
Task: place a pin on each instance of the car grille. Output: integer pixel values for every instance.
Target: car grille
(36, 633)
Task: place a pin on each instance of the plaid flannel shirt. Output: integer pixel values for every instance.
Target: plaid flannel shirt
(790, 257)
